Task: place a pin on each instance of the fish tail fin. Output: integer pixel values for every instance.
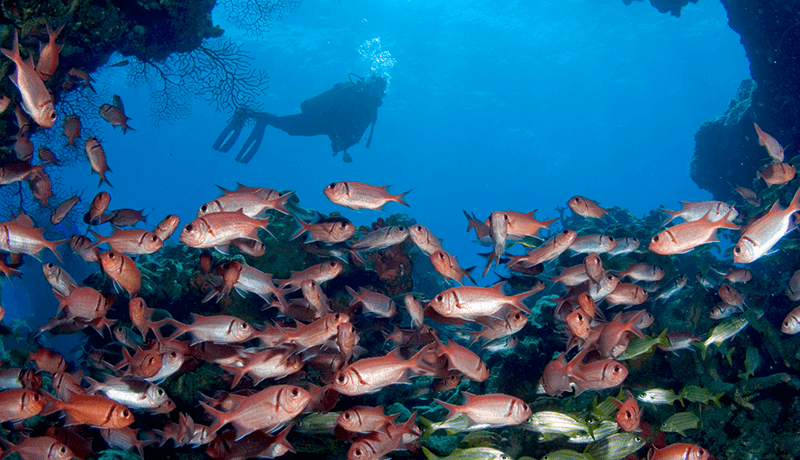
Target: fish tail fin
(280, 439)
(13, 53)
(517, 300)
(470, 221)
(716, 399)
(52, 404)
(303, 228)
(103, 179)
(452, 409)
(795, 204)
(468, 274)
(218, 417)
(237, 371)
(672, 215)
(279, 204)
(400, 198)
(53, 246)
(94, 385)
(427, 431)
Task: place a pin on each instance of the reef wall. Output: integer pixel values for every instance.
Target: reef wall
(727, 153)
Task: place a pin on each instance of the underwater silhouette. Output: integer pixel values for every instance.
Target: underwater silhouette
(343, 113)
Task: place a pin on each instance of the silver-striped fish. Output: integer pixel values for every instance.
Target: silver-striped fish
(616, 447)
(554, 422)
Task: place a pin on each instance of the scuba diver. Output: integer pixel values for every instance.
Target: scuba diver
(343, 113)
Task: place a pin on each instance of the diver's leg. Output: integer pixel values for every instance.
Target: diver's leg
(301, 124)
(231, 133)
(253, 142)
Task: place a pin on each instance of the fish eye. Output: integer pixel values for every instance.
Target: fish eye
(63, 449)
(295, 391)
(655, 238)
(346, 415)
(565, 232)
(332, 264)
(341, 378)
(188, 228)
(611, 238)
(440, 298)
(53, 116)
(333, 184)
(160, 392)
(737, 249)
(204, 208)
(151, 360)
(441, 255)
(400, 228)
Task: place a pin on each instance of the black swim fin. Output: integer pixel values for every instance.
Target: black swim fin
(231, 133)
(253, 142)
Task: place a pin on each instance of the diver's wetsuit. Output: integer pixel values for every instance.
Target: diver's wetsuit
(342, 113)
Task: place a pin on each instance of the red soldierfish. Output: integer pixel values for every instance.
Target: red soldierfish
(132, 241)
(524, 224)
(490, 411)
(167, 226)
(253, 201)
(219, 229)
(600, 375)
(628, 414)
(774, 149)
(371, 374)
(96, 411)
(40, 448)
(614, 339)
(690, 212)
(548, 250)
(358, 195)
(680, 451)
(63, 209)
(80, 74)
(19, 404)
(37, 101)
(115, 116)
(328, 231)
(72, 129)
(48, 55)
(361, 419)
(777, 174)
(19, 239)
(471, 302)
(686, 236)
(447, 266)
(97, 159)
(585, 207)
(424, 239)
(219, 329)
(791, 325)
(266, 410)
(482, 230)
(760, 236)
(123, 270)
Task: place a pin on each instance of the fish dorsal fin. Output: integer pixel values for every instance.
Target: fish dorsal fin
(498, 287)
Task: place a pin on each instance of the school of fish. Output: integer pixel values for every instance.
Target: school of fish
(268, 364)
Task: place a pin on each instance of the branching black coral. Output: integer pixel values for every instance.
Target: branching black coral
(254, 17)
(217, 72)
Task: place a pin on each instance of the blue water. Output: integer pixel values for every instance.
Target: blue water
(491, 105)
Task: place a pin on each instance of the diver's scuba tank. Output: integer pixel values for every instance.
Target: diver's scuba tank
(322, 102)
